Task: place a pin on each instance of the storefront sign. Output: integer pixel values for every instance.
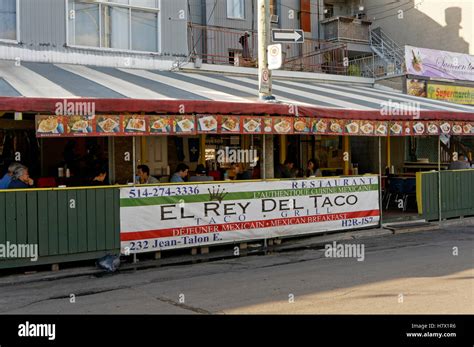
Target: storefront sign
(455, 94)
(166, 217)
(143, 125)
(442, 64)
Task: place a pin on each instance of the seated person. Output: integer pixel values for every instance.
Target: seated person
(143, 173)
(180, 173)
(99, 178)
(201, 175)
(286, 170)
(461, 164)
(21, 178)
(312, 169)
(7, 178)
(241, 174)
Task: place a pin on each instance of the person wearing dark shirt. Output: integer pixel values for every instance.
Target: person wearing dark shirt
(286, 170)
(241, 173)
(21, 179)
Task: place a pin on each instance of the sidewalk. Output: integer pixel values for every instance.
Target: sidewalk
(254, 248)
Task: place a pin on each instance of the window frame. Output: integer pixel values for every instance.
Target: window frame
(100, 3)
(235, 18)
(17, 39)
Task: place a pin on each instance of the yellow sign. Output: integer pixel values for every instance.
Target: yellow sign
(455, 94)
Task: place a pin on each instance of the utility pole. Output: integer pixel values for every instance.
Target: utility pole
(264, 74)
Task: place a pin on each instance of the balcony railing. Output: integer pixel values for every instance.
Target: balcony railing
(346, 29)
(223, 46)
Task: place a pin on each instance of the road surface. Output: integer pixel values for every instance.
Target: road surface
(424, 272)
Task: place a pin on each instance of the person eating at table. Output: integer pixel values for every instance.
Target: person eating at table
(312, 169)
(99, 177)
(180, 173)
(7, 178)
(461, 164)
(143, 172)
(21, 178)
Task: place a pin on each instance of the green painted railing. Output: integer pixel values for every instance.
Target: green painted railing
(66, 224)
(457, 194)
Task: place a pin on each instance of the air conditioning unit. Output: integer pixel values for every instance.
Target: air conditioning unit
(274, 18)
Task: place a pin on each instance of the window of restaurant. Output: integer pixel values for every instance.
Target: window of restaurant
(121, 24)
(9, 20)
(73, 161)
(18, 143)
(225, 156)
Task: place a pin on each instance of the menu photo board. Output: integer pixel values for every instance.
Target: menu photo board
(433, 128)
(135, 125)
(107, 125)
(468, 128)
(418, 128)
(352, 127)
(302, 125)
(381, 128)
(283, 125)
(252, 125)
(396, 128)
(161, 125)
(49, 126)
(207, 123)
(268, 125)
(184, 124)
(230, 125)
(336, 127)
(457, 128)
(445, 128)
(367, 128)
(145, 125)
(79, 125)
(320, 126)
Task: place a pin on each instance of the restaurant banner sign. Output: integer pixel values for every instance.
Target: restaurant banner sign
(156, 125)
(154, 218)
(439, 64)
(455, 94)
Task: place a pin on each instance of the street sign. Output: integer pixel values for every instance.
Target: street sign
(274, 56)
(265, 81)
(288, 35)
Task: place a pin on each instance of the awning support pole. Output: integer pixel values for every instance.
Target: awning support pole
(134, 159)
(389, 152)
(346, 149)
(282, 148)
(202, 149)
(439, 177)
(263, 161)
(380, 180)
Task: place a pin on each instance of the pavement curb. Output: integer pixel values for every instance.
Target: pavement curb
(290, 244)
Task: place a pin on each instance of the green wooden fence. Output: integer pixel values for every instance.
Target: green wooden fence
(67, 224)
(457, 194)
